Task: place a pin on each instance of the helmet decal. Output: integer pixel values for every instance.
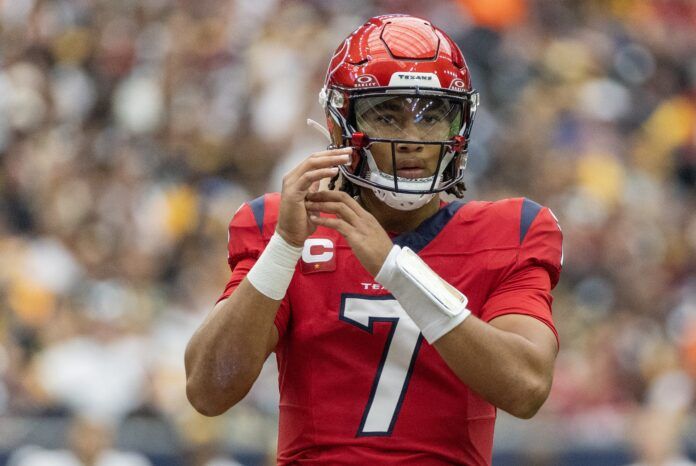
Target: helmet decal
(366, 80)
(409, 78)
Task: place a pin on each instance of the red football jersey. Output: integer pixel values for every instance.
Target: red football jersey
(358, 383)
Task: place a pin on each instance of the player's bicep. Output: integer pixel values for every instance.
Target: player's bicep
(532, 329)
(273, 334)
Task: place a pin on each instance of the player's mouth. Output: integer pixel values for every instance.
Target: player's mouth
(411, 173)
(411, 169)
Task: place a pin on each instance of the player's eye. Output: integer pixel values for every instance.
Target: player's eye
(386, 119)
(431, 119)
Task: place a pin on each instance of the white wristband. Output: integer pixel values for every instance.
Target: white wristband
(272, 272)
(434, 305)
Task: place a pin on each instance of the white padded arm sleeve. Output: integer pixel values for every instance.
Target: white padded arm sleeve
(433, 304)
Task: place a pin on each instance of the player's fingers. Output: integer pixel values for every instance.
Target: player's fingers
(352, 203)
(339, 151)
(305, 181)
(312, 189)
(337, 196)
(314, 163)
(331, 160)
(313, 213)
(338, 208)
(334, 223)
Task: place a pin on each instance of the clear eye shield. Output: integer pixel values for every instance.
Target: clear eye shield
(408, 118)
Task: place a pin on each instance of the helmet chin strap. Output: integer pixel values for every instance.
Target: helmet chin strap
(397, 200)
(402, 201)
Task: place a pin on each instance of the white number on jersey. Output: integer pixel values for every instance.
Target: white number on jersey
(396, 365)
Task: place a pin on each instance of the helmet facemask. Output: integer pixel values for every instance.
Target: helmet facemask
(377, 121)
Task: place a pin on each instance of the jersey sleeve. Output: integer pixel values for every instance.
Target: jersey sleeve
(542, 244)
(247, 238)
(526, 288)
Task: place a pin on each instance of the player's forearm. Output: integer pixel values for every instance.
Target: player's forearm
(503, 367)
(227, 352)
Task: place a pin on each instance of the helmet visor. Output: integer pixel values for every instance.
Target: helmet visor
(408, 117)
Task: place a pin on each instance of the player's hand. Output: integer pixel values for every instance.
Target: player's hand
(367, 238)
(294, 225)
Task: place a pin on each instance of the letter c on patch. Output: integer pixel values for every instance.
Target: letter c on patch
(317, 250)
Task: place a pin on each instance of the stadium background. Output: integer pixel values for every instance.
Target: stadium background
(131, 131)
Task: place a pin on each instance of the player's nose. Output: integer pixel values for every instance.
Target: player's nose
(411, 133)
(407, 148)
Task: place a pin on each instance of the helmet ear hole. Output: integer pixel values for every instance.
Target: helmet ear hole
(334, 128)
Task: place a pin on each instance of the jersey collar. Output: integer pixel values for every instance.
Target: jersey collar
(425, 232)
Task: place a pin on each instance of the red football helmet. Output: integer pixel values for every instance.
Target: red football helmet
(398, 79)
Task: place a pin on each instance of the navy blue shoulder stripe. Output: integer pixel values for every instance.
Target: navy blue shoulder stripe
(257, 208)
(428, 230)
(530, 210)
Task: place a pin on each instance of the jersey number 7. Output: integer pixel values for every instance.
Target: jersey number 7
(398, 358)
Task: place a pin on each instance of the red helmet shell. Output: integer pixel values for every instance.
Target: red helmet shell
(385, 45)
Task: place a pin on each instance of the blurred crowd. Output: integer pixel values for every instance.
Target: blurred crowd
(131, 131)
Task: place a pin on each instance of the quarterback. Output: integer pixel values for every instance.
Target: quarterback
(400, 322)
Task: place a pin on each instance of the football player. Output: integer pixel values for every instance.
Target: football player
(400, 322)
